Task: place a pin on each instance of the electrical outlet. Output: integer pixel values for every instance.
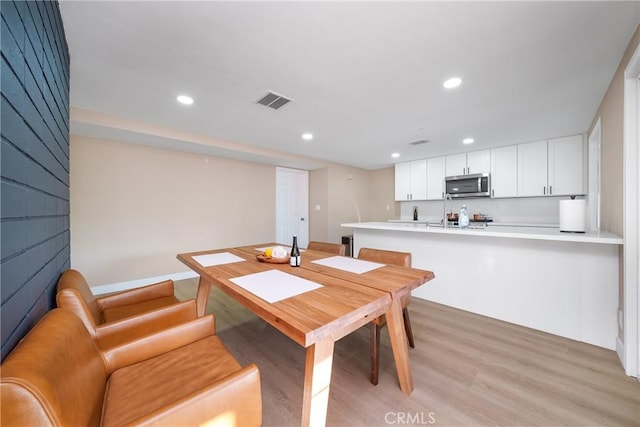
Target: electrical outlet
(388, 207)
(318, 207)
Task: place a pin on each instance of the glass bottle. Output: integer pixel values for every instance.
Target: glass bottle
(294, 261)
(463, 220)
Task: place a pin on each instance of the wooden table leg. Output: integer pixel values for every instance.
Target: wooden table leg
(203, 296)
(399, 345)
(317, 378)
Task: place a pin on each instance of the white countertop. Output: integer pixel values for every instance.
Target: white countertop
(495, 230)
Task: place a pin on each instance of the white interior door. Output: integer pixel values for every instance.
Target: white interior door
(292, 206)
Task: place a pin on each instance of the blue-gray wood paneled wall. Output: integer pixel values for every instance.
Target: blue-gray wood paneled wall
(34, 128)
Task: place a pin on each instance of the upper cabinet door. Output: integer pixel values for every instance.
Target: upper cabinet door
(468, 163)
(504, 171)
(403, 181)
(566, 166)
(479, 161)
(411, 180)
(456, 164)
(435, 178)
(419, 180)
(532, 169)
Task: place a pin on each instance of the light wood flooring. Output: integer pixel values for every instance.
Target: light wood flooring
(468, 370)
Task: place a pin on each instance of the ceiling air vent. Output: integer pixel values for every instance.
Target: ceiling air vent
(273, 100)
(420, 141)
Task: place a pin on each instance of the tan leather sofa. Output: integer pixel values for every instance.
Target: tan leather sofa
(183, 375)
(125, 315)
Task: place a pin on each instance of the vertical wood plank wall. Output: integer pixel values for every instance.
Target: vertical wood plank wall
(34, 129)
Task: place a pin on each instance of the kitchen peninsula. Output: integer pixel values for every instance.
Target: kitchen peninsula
(562, 283)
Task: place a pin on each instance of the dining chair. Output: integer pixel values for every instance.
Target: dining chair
(123, 315)
(333, 248)
(394, 258)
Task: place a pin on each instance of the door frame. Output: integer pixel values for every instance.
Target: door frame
(594, 184)
(631, 221)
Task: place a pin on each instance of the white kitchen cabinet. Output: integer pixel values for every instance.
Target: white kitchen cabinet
(456, 164)
(468, 163)
(504, 171)
(411, 180)
(435, 178)
(551, 168)
(478, 161)
(403, 181)
(532, 169)
(566, 166)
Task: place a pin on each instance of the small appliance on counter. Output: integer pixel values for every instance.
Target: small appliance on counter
(572, 215)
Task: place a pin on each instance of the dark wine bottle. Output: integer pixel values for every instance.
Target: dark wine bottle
(295, 253)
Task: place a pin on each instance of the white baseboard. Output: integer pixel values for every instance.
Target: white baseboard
(131, 284)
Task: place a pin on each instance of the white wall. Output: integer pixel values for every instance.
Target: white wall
(134, 208)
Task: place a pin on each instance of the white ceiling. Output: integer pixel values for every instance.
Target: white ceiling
(366, 77)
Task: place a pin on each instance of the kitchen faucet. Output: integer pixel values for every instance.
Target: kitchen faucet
(444, 209)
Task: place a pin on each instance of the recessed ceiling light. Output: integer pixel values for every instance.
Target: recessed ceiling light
(452, 82)
(467, 141)
(307, 136)
(184, 99)
(395, 155)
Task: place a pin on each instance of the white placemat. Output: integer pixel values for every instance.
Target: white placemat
(352, 265)
(209, 260)
(275, 285)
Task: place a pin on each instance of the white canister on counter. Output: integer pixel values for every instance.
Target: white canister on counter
(573, 215)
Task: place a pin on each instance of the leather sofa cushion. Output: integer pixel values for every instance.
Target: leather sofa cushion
(75, 291)
(117, 313)
(56, 374)
(142, 388)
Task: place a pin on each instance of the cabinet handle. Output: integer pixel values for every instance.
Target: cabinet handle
(467, 170)
(550, 189)
(544, 190)
(408, 196)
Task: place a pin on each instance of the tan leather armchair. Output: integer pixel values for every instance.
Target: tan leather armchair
(402, 259)
(125, 315)
(184, 375)
(332, 248)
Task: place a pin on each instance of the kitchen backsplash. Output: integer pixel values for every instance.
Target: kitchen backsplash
(535, 210)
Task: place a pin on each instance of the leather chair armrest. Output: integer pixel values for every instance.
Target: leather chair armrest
(234, 400)
(114, 334)
(134, 296)
(155, 344)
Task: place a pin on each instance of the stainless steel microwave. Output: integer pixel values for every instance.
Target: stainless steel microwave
(473, 185)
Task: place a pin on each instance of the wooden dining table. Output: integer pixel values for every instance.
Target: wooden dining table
(340, 302)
